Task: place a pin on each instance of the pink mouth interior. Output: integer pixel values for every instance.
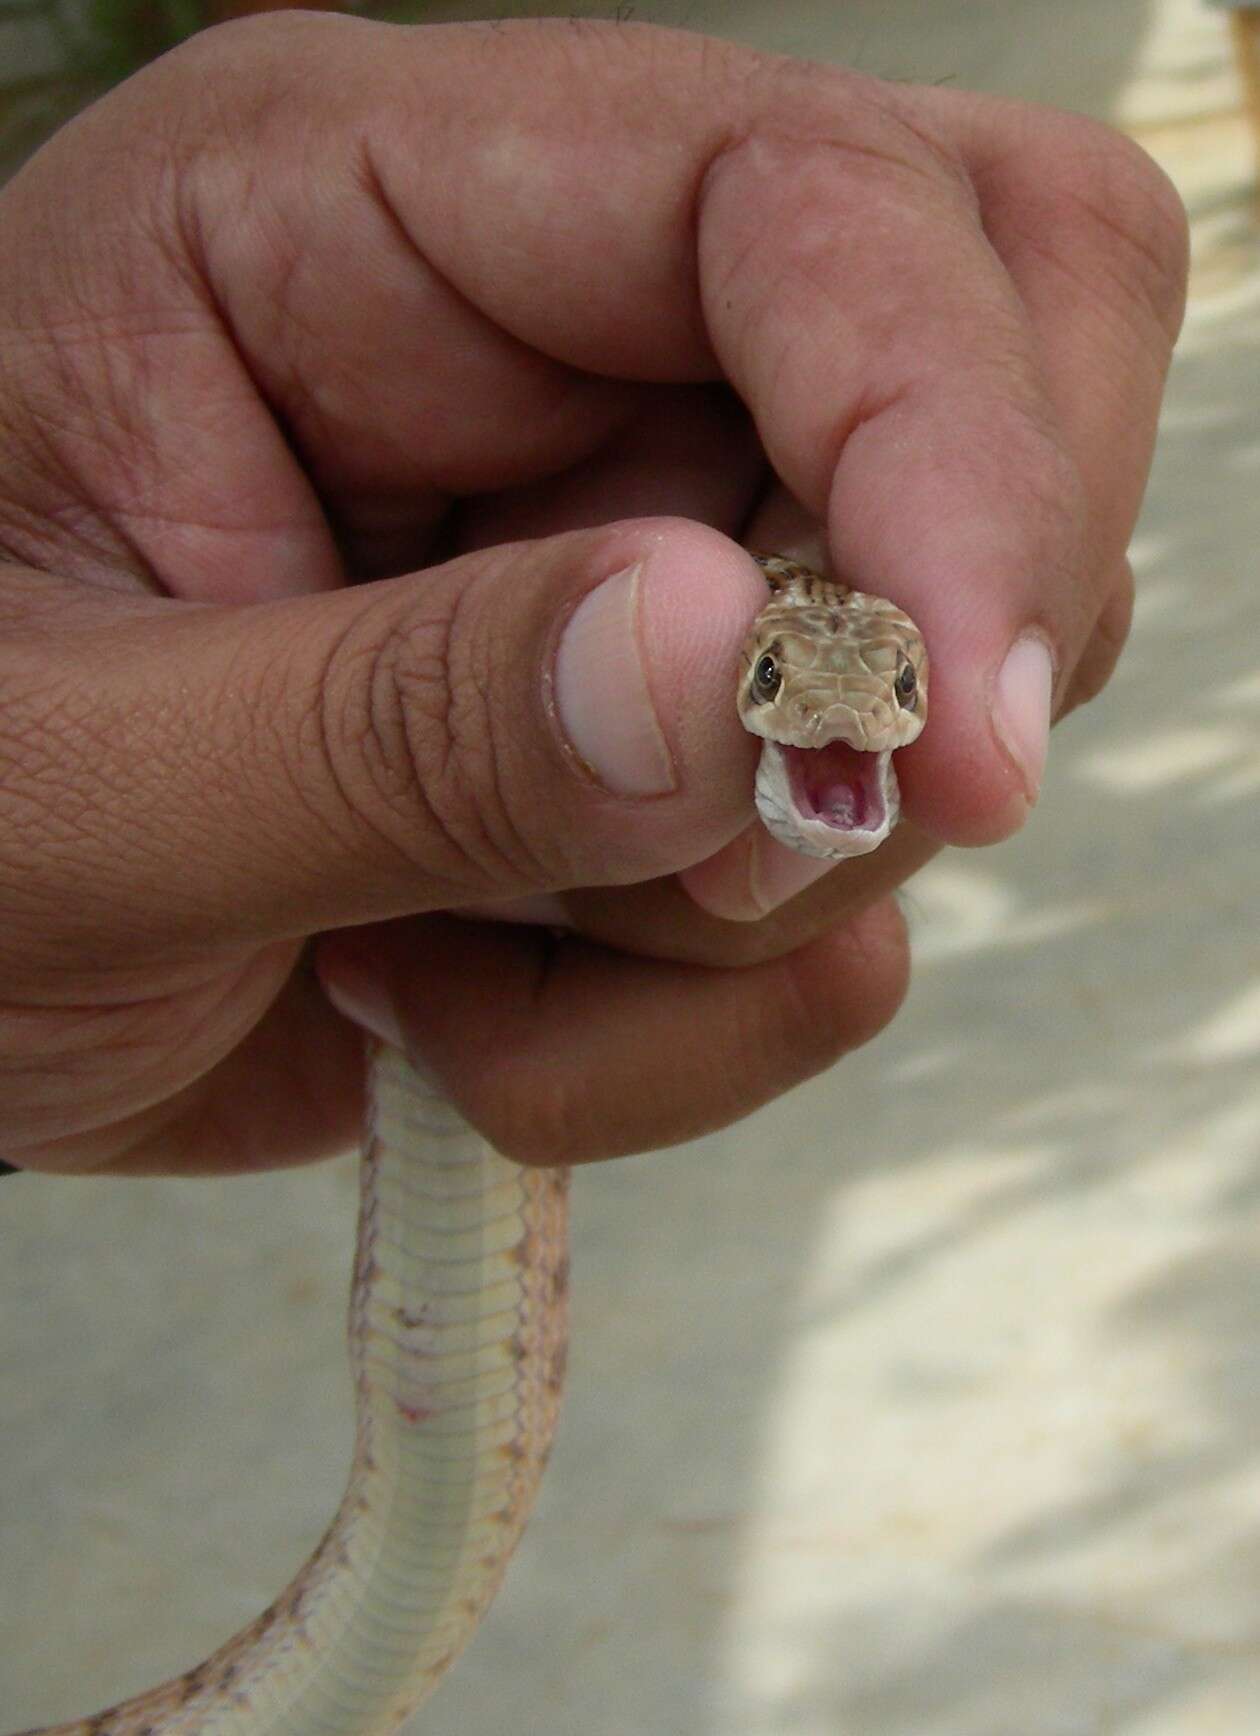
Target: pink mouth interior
(836, 784)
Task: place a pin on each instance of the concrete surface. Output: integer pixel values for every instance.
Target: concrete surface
(946, 1427)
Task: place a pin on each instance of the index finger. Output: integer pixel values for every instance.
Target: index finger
(967, 400)
(954, 426)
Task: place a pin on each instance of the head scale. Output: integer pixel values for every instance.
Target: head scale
(823, 664)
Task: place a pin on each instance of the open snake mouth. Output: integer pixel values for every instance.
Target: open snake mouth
(833, 801)
(836, 784)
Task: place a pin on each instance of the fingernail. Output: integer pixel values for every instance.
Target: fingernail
(1021, 708)
(362, 999)
(603, 700)
(750, 877)
(778, 873)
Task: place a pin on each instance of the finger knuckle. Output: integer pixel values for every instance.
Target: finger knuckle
(418, 750)
(1102, 651)
(537, 1116)
(1110, 194)
(1046, 501)
(839, 994)
(68, 1078)
(804, 1030)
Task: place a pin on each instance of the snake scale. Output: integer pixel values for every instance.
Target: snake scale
(457, 1324)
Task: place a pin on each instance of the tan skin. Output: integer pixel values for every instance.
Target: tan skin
(466, 310)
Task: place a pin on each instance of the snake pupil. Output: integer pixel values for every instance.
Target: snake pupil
(907, 684)
(766, 680)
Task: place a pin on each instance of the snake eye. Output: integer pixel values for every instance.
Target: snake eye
(766, 680)
(906, 684)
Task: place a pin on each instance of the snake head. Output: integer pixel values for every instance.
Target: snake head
(834, 681)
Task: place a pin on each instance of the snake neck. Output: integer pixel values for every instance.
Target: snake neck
(797, 583)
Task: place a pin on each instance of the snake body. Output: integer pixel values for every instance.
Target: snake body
(457, 1323)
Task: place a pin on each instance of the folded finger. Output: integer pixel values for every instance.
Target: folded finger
(583, 1053)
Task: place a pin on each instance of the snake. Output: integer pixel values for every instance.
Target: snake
(458, 1307)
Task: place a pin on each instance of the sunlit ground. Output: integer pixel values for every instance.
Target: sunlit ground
(927, 1403)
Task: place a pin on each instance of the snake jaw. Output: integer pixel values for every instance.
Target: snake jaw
(831, 802)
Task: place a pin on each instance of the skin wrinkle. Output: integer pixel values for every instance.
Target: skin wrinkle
(309, 440)
(568, 380)
(1129, 372)
(310, 747)
(1107, 640)
(32, 601)
(1165, 309)
(129, 442)
(825, 453)
(200, 976)
(1044, 247)
(469, 760)
(23, 467)
(43, 786)
(675, 247)
(1052, 494)
(102, 383)
(773, 129)
(127, 431)
(121, 1053)
(703, 336)
(521, 1039)
(1153, 227)
(316, 1112)
(1043, 226)
(86, 756)
(344, 751)
(429, 713)
(117, 549)
(705, 462)
(189, 212)
(385, 738)
(179, 1129)
(486, 739)
(301, 406)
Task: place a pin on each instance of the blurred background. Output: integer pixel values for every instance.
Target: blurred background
(924, 1403)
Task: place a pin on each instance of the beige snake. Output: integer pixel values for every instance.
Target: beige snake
(457, 1310)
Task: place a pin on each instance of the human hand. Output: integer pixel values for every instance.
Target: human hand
(315, 301)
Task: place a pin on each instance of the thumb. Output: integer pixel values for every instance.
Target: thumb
(523, 719)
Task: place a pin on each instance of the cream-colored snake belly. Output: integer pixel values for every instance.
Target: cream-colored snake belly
(457, 1311)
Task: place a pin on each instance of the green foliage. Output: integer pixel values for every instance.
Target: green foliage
(82, 50)
(82, 47)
